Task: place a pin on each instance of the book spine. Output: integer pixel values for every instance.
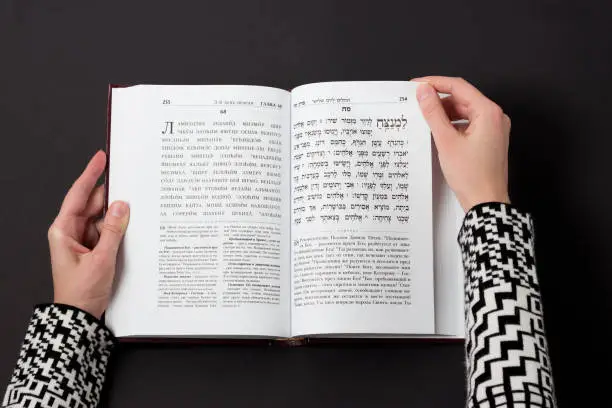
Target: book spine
(292, 342)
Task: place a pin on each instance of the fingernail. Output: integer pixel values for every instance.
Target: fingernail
(424, 91)
(119, 209)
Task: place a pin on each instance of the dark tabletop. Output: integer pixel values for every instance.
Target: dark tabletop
(547, 63)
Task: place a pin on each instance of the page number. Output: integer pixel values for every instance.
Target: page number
(403, 98)
(166, 102)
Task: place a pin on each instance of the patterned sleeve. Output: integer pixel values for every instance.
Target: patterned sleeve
(62, 362)
(506, 349)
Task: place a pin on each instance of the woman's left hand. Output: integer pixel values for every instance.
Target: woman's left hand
(84, 248)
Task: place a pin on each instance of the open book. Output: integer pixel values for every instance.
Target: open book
(258, 212)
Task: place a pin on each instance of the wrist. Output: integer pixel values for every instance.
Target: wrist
(94, 310)
(468, 204)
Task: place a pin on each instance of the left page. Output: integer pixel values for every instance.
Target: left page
(205, 170)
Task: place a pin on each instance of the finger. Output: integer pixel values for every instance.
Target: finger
(454, 110)
(464, 92)
(95, 203)
(433, 111)
(112, 231)
(507, 123)
(78, 196)
(62, 247)
(91, 236)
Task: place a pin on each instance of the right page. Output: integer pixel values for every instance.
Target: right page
(448, 270)
(362, 237)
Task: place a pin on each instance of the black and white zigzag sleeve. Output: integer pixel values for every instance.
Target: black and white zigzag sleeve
(62, 362)
(506, 349)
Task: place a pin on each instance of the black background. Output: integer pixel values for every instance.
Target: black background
(547, 63)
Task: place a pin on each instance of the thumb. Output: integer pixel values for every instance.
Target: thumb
(433, 111)
(112, 230)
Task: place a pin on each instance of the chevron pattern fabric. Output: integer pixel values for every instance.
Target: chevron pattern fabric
(62, 362)
(506, 349)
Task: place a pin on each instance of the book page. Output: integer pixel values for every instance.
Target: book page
(361, 234)
(448, 268)
(205, 170)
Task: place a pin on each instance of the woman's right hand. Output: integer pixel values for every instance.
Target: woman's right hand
(474, 158)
